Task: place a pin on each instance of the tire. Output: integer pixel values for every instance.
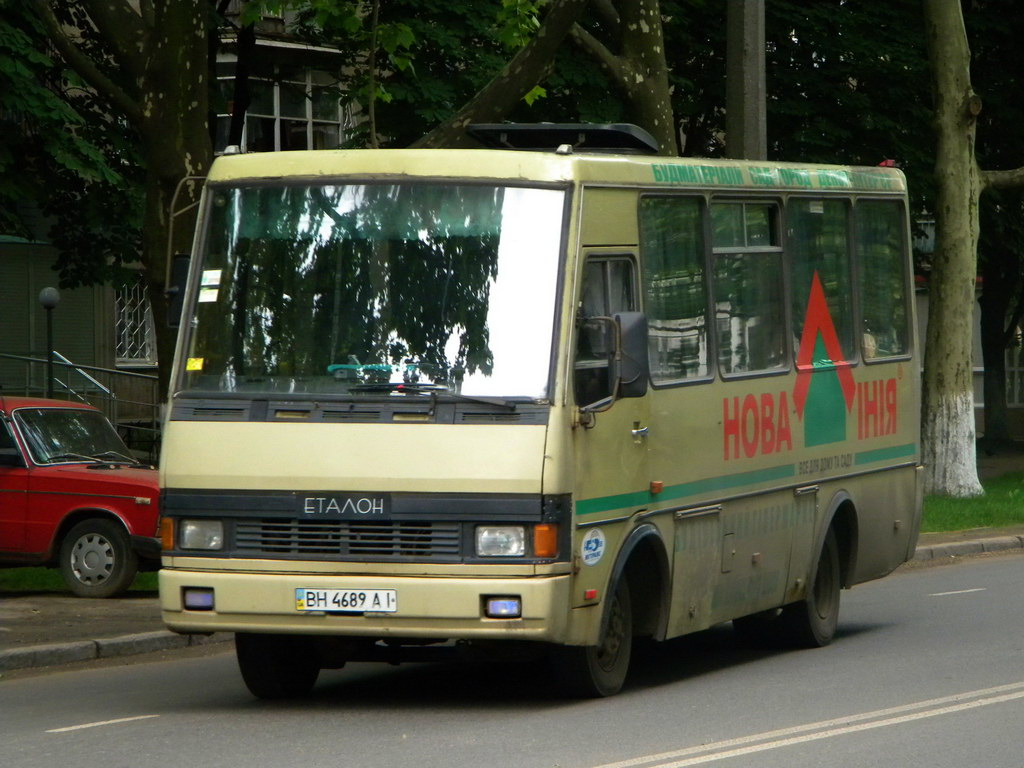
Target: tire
(809, 623)
(277, 666)
(97, 560)
(600, 670)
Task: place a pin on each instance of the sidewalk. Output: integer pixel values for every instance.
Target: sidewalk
(40, 630)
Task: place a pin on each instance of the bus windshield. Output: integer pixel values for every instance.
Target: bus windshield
(365, 288)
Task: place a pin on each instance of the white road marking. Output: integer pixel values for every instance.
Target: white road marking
(958, 592)
(102, 722)
(826, 729)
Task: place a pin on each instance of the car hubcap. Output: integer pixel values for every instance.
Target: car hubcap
(92, 559)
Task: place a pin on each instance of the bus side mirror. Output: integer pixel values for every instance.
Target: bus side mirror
(633, 369)
(176, 290)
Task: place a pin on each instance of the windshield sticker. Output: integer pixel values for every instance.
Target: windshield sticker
(592, 548)
(194, 364)
(209, 284)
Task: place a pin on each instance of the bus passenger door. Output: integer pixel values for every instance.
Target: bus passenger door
(612, 476)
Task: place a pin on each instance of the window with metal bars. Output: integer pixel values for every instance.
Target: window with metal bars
(135, 333)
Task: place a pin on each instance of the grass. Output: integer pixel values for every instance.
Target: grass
(1002, 505)
(49, 580)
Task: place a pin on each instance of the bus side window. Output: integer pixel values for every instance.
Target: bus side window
(675, 295)
(748, 287)
(818, 248)
(883, 282)
(608, 287)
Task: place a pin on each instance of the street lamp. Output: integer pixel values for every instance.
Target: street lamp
(49, 298)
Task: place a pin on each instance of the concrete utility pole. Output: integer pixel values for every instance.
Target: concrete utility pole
(746, 131)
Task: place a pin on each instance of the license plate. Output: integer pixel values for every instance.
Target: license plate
(347, 600)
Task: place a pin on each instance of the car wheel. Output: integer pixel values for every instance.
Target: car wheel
(96, 559)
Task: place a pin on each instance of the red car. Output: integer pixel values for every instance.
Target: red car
(72, 496)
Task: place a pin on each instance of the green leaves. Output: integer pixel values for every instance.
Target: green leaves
(518, 22)
(58, 150)
(537, 93)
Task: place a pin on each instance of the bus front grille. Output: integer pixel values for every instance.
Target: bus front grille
(356, 539)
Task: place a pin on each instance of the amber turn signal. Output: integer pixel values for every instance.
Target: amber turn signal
(545, 540)
(166, 534)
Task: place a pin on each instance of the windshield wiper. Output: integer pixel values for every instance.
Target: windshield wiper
(71, 457)
(106, 458)
(433, 390)
(118, 455)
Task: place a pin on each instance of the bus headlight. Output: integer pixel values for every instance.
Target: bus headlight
(201, 534)
(500, 541)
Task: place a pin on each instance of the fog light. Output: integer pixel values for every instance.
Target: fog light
(201, 534)
(505, 607)
(197, 598)
(500, 541)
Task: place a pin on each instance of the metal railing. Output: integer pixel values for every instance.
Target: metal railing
(130, 400)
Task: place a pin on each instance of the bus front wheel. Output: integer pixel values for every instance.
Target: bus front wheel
(277, 666)
(600, 670)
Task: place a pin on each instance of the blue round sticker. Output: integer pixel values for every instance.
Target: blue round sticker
(592, 548)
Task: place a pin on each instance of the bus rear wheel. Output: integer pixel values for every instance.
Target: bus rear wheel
(277, 666)
(809, 623)
(600, 670)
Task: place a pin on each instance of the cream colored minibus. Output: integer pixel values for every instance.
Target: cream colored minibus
(556, 395)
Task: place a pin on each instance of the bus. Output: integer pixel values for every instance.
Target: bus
(553, 394)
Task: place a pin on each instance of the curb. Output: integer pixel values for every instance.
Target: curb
(162, 640)
(963, 548)
(106, 648)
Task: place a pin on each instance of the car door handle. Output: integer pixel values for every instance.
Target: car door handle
(639, 432)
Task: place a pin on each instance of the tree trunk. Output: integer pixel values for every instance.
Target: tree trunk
(948, 431)
(639, 72)
(176, 144)
(650, 99)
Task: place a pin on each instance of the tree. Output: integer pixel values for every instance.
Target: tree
(520, 76)
(437, 79)
(997, 66)
(948, 432)
(62, 152)
(150, 68)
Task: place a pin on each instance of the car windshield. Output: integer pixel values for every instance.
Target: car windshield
(358, 289)
(56, 435)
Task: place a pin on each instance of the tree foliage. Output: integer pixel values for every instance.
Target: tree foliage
(63, 153)
(147, 63)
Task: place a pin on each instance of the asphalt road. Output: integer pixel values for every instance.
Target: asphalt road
(926, 671)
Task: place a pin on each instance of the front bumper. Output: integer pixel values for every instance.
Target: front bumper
(428, 607)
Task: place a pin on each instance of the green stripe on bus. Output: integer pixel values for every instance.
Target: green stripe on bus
(622, 500)
(885, 454)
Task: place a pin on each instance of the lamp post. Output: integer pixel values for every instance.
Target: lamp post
(49, 298)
